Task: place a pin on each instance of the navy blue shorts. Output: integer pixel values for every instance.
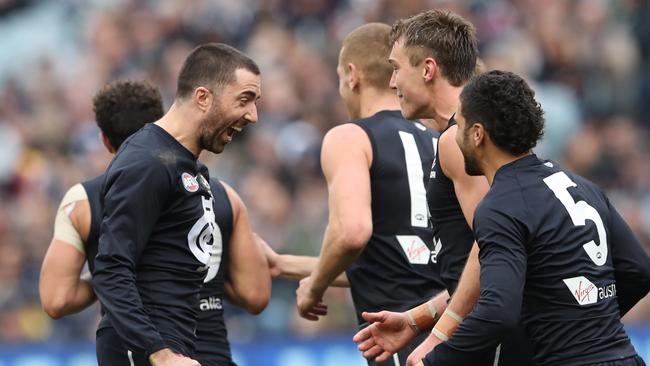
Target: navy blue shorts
(112, 352)
(628, 361)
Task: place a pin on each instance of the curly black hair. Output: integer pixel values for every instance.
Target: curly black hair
(505, 104)
(124, 106)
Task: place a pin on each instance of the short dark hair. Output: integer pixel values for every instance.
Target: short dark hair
(124, 106)
(212, 65)
(505, 104)
(367, 47)
(443, 35)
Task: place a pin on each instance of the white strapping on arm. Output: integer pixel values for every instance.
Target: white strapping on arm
(64, 230)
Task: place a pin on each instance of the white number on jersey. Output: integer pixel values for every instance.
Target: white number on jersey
(205, 240)
(419, 209)
(580, 212)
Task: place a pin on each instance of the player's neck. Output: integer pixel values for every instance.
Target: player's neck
(176, 124)
(444, 101)
(373, 101)
(495, 159)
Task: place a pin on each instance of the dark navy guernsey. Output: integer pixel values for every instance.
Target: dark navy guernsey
(393, 272)
(556, 256)
(212, 346)
(451, 232)
(93, 189)
(155, 243)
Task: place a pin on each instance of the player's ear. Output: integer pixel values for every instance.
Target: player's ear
(353, 76)
(107, 143)
(429, 67)
(203, 98)
(478, 134)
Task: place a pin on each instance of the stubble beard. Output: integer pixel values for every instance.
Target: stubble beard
(210, 131)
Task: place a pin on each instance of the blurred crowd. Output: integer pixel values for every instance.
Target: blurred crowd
(589, 62)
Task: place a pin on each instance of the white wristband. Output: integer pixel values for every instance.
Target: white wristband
(442, 336)
(454, 316)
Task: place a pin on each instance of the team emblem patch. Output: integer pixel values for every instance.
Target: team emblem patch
(189, 182)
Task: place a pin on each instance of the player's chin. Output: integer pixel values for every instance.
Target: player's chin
(408, 112)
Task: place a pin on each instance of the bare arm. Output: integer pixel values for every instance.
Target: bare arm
(294, 267)
(469, 191)
(61, 288)
(391, 331)
(346, 158)
(249, 279)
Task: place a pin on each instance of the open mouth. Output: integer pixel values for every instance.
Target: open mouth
(232, 130)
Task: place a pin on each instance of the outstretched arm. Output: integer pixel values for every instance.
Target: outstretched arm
(346, 157)
(294, 267)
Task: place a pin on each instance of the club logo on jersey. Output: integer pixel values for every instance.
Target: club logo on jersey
(205, 240)
(203, 182)
(416, 251)
(437, 245)
(586, 293)
(189, 182)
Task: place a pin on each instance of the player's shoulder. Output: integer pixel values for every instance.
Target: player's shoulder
(75, 193)
(345, 137)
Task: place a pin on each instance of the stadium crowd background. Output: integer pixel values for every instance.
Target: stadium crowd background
(589, 61)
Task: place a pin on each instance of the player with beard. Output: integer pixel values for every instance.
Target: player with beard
(434, 54)
(158, 229)
(375, 167)
(554, 253)
(239, 274)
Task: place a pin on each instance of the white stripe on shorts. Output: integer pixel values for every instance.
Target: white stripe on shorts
(497, 353)
(129, 354)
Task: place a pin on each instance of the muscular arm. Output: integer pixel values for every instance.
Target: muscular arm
(346, 157)
(62, 290)
(249, 280)
(469, 192)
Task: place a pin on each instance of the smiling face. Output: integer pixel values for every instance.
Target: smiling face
(409, 82)
(233, 107)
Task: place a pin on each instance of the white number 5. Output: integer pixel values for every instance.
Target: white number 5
(580, 212)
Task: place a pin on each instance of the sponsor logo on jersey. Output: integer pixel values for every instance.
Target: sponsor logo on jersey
(189, 182)
(586, 293)
(415, 249)
(437, 245)
(210, 303)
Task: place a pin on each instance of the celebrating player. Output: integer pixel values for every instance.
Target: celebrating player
(434, 54)
(553, 250)
(378, 230)
(158, 231)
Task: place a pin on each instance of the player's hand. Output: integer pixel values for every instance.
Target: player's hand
(310, 306)
(165, 357)
(415, 358)
(272, 258)
(388, 333)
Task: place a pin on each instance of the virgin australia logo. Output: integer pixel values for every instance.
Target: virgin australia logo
(582, 289)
